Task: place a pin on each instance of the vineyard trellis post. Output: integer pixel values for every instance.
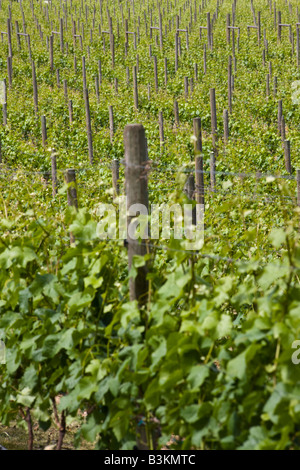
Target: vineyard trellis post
(199, 175)
(136, 182)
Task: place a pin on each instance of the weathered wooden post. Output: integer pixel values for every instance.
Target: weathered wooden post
(199, 175)
(44, 130)
(176, 51)
(51, 52)
(155, 74)
(70, 106)
(230, 84)
(61, 35)
(279, 116)
(275, 86)
(166, 70)
(161, 130)
(287, 156)
(212, 165)
(65, 85)
(137, 201)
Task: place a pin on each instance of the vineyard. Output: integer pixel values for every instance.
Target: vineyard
(149, 344)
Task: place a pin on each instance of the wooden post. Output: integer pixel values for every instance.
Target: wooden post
(112, 49)
(61, 35)
(155, 74)
(287, 156)
(9, 74)
(84, 74)
(166, 70)
(279, 116)
(278, 26)
(9, 37)
(137, 193)
(258, 26)
(51, 52)
(176, 51)
(28, 45)
(199, 175)
(275, 86)
(229, 85)
(189, 189)
(127, 76)
(227, 28)
(161, 130)
(44, 130)
(186, 87)
(209, 38)
(65, 89)
(71, 191)
(212, 171)
(70, 111)
(192, 85)
(88, 125)
(160, 32)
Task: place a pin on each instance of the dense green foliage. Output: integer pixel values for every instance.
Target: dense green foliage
(208, 359)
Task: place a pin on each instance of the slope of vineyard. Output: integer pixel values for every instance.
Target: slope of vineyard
(211, 355)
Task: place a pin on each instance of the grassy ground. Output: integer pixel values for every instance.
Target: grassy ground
(16, 438)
